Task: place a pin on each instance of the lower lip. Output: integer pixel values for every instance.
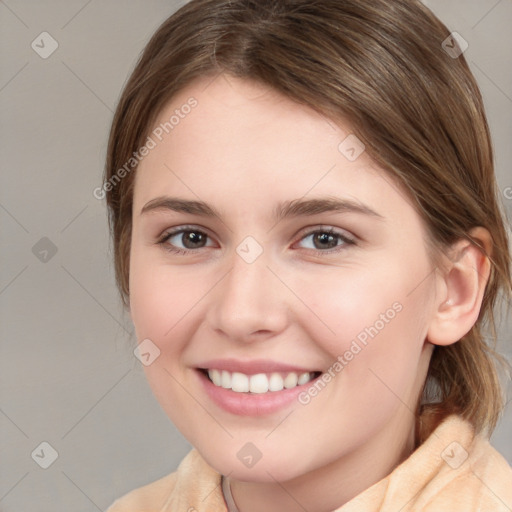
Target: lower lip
(251, 404)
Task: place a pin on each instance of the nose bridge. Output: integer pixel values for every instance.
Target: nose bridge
(249, 299)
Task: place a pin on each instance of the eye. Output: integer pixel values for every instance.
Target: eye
(190, 237)
(325, 240)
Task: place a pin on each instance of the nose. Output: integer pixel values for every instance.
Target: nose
(250, 303)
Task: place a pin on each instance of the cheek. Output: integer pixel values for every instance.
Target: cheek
(147, 305)
(351, 303)
(383, 378)
(386, 372)
(159, 298)
(159, 303)
(377, 320)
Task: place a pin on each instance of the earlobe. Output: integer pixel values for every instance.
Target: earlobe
(461, 289)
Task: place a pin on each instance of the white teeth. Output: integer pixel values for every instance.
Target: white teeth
(215, 376)
(275, 382)
(259, 383)
(225, 379)
(291, 380)
(239, 382)
(303, 378)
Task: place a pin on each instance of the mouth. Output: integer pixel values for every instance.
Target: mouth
(259, 383)
(255, 388)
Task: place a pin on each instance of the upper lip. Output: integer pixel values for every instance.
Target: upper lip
(252, 367)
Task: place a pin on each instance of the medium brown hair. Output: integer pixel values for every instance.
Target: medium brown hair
(380, 65)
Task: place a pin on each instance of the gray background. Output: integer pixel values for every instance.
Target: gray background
(67, 372)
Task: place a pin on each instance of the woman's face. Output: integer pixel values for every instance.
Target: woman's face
(277, 286)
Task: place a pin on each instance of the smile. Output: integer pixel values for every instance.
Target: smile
(259, 383)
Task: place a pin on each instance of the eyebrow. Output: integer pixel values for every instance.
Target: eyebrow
(286, 209)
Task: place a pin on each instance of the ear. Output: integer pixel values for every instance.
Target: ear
(460, 290)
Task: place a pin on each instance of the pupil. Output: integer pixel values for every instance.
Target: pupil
(193, 237)
(325, 237)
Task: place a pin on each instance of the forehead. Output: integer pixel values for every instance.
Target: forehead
(251, 139)
(230, 109)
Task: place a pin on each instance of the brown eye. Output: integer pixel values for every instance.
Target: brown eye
(193, 239)
(184, 240)
(325, 239)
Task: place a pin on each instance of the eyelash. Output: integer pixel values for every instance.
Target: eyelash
(186, 229)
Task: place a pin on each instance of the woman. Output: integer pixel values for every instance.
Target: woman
(308, 239)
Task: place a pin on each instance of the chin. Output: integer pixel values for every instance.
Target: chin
(267, 470)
